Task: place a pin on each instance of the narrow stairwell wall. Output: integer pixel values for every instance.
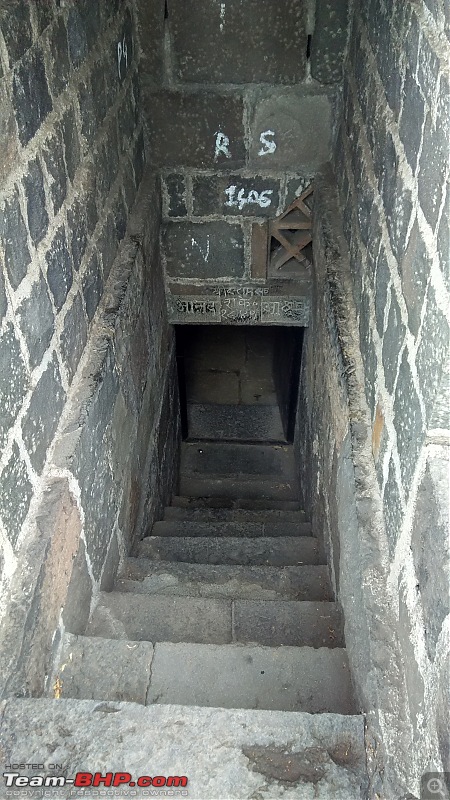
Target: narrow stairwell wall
(88, 392)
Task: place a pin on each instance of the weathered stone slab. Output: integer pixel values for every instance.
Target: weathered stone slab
(223, 753)
(196, 130)
(297, 127)
(242, 308)
(256, 41)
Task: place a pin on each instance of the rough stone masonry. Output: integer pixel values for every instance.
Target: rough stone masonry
(88, 426)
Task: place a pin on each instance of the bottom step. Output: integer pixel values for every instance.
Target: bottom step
(226, 676)
(236, 755)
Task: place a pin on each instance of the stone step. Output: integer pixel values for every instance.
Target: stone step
(239, 515)
(224, 503)
(235, 423)
(273, 623)
(224, 753)
(264, 551)
(221, 529)
(209, 580)
(238, 488)
(105, 669)
(226, 458)
(249, 676)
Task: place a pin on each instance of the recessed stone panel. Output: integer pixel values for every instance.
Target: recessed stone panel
(209, 250)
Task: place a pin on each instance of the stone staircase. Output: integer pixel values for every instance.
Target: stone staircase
(227, 604)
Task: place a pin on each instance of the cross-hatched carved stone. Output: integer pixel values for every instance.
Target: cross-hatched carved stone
(290, 238)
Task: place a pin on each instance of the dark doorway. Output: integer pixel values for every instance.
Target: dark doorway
(238, 383)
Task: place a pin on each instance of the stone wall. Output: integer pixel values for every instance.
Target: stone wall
(87, 377)
(380, 457)
(239, 102)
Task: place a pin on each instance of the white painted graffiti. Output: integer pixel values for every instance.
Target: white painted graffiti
(222, 145)
(268, 145)
(203, 252)
(262, 199)
(122, 54)
(222, 16)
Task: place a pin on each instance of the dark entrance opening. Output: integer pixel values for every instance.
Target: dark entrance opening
(238, 383)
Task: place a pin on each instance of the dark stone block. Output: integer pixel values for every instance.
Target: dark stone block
(432, 167)
(53, 156)
(88, 112)
(107, 163)
(36, 321)
(74, 336)
(98, 92)
(389, 184)
(368, 350)
(392, 342)
(89, 200)
(139, 159)
(127, 123)
(398, 219)
(175, 195)
(31, 97)
(33, 183)
(433, 352)
(381, 287)
(124, 54)
(415, 270)
(210, 250)
(58, 57)
(212, 42)
(76, 34)
(59, 268)
(329, 40)
(428, 69)
(13, 381)
(187, 130)
(13, 234)
(40, 423)
(393, 514)
(15, 25)
(71, 142)
(120, 218)
(76, 220)
(92, 286)
(408, 423)
(107, 245)
(15, 495)
(236, 195)
(412, 119)
(44, 15)
(429, 545)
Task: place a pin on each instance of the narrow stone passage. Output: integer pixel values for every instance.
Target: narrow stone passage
(226, 604)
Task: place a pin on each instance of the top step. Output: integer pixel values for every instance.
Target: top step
(225, 458)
